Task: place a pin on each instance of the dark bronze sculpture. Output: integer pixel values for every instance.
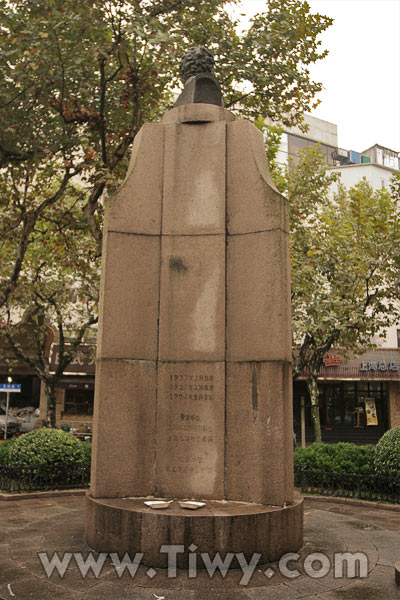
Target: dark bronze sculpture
(197, 60)
(201, 85)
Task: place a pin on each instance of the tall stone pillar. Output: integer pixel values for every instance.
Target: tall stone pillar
(193, 380)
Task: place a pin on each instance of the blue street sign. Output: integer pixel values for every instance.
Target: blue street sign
(10, 387)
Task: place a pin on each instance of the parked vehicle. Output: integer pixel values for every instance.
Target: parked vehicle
(13, 425)
(27, 418)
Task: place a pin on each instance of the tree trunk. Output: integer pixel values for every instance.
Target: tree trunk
(312, 387)
(50, 390)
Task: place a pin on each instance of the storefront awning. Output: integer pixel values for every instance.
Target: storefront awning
(379, 364)
(83, 363)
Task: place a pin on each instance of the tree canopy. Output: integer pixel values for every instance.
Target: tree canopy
(78, 81)
(56, 295)
(344, 265)
(80, 78)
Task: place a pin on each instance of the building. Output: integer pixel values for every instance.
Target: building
(75, 391)
(371, 380)
(16, 371)
(321, 133)
(347, 388)
(377, 164)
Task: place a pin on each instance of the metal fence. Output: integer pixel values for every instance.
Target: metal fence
(369, 486)
(15, 479)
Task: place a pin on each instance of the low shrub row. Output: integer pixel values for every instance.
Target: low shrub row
(46, 457)
(54, 457)
(387, 458)
(5, 448)
(345, 457)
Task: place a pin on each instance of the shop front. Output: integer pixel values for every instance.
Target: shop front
(358, 399)
(24, 405)
(75, 391)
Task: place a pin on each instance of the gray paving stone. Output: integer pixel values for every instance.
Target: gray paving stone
(387, 545)
(107, 591)
(307, 586)
(379, 585)
(57, 525)
(32, 588)
(9, 572)
(274, 592)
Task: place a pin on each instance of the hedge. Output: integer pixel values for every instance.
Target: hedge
(49, 455)
(387, 457)
(5, 449)
(343, 457)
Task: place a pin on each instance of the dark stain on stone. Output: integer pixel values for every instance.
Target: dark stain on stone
(254, 392)
(361, 525)
(177, 264)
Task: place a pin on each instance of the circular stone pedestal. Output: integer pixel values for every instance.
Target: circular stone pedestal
(397, 572)
(127, 525)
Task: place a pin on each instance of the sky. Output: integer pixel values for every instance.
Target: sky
(361, 74)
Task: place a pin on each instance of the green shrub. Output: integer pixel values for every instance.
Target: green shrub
(87, 453)
(343, 457)
(5, 448)
(49, 456)
(387, 458)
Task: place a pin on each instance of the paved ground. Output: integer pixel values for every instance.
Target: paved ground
(56, 524)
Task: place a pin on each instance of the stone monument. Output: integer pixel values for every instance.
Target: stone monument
(193, 377)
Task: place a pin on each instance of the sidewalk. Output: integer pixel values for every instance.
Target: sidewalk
(56, 525)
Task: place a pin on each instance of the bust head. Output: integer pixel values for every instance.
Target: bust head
(197, 60)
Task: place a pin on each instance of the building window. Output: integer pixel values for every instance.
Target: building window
(340, 401)
(78, 402)
(398, 338)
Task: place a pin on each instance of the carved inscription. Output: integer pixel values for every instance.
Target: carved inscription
(196, 388)
(192, 405)
(191, 387)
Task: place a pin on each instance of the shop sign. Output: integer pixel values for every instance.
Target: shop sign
(82, 363)
(331, 361)
(10, 387)
(379, 365)
(370, 410)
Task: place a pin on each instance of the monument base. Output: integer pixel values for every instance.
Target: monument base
(126, 525)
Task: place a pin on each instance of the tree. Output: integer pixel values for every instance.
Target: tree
(57, 291)
(345, 279)
(78, 81)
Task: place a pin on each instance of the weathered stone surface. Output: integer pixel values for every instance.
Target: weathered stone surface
(190, 434)
(136, 208)
(192, 298)
(124, 428)
(194, 179)
(258, 401)
(218, 527)
(197, 113)
(32, 526)
(129, 296)
(254, 203)
(193, 385)
(258, 301)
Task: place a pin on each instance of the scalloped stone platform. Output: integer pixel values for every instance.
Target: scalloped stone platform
(127, 525)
